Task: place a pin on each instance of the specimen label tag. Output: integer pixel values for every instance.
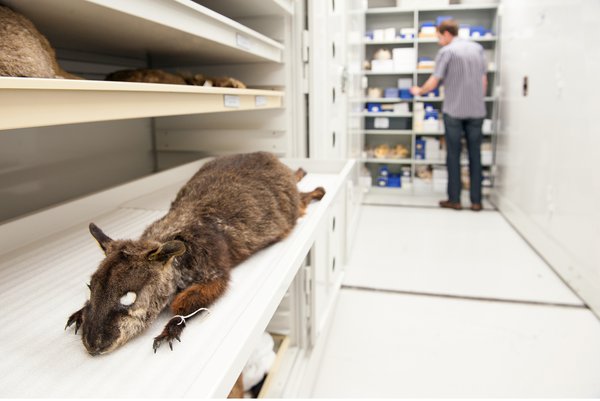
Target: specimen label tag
(232, 101)
(260, 101)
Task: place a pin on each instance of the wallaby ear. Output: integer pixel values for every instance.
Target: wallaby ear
(167, 251)
(103, 239)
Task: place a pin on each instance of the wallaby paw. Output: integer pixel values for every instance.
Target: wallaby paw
(172, 331)
(76, 318)
(318, 193)
(300, 174)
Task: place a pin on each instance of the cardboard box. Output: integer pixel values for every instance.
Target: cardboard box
(404, 59)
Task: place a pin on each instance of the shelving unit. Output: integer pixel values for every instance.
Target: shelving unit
(125, 145)
(174, 32)
(178, 36)
(401, 132)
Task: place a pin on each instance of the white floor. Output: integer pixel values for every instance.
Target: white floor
(440, 303)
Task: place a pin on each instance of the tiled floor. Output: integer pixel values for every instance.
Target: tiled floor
(439, 303)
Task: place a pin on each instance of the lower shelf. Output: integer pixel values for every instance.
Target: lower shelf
(49, 257)
(416, 197)
(281, 346)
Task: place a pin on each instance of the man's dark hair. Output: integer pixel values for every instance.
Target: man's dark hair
(448, 25)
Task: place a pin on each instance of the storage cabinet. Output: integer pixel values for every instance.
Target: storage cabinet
(398, 142)
(116, 153)
(179, 36)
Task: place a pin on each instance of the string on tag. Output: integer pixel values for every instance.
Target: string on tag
(190, 315)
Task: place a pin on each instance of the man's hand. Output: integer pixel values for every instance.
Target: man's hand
(428, 86)
(415, 90)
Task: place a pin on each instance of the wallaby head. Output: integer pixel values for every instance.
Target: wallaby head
(131, 286)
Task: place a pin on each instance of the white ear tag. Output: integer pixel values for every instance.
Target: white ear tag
(128, 299)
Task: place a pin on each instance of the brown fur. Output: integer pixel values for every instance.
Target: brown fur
(24, 51)
(162, 77)
(146, 75)
(307, 197)
(221, 82)
(231, 208)
(198, 294)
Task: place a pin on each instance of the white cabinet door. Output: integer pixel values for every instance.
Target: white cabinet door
(327, 89)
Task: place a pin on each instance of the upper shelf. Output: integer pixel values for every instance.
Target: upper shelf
(424, 40)
(34, 102)
(452, 7)
(171, 32)
(245, 8)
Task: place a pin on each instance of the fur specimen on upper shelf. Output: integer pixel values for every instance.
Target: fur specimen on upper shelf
(146, 75)
(221, 82)
(230, 209)
(24, 51)
(162, 77)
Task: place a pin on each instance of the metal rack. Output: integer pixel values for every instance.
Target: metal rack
(382, 17)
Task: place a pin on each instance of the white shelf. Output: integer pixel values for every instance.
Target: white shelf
(454, 7)
(480, 39)
(389, 10)
(59, 101)
(390, 190)
(48, 257)
(245, 8)
(388, 73)
(441, 99)
(389, 161)
(387, 132)
(438, 162)
(389, 42)
(172, 32)
(386, 114)
(385, 100)
(423, 40)
(419, 133)
(415, 161)
(416, 99)
(431, 70)
(408, 132)
(424, 133)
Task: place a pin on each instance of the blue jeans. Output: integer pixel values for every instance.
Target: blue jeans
(454, 128)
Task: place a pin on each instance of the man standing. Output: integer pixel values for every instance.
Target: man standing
(461, 65)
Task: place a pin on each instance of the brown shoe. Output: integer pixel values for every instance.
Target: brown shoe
(476, 207)
(450, 205)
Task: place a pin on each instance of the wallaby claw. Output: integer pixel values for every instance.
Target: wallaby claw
(76, 318)
(172, 331)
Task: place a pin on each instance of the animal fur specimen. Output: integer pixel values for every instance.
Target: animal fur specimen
(157, 76)
(231, 208)
(146, 75)
(24, 51)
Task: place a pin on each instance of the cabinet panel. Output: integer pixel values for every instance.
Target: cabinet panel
(546, 187)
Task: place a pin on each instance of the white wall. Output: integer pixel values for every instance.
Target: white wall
(549, 141)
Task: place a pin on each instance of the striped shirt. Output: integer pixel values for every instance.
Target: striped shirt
(461, 66)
